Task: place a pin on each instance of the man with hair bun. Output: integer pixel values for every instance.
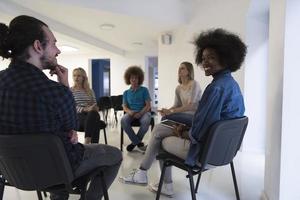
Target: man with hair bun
(32, 103)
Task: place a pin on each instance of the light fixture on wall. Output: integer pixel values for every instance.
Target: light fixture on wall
(66, 48)
(107, 26)
(166, 38)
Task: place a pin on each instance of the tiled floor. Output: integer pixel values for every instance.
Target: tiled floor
(215, 184)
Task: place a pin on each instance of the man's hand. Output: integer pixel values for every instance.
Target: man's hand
(137, 115)
(62, 74)
(73, 137)
(131, 113)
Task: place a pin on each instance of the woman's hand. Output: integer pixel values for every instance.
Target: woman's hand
(181, 131)
(163, 112)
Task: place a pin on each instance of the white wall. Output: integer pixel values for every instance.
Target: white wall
(255, 90)
(290, 137)
(274, 99)
(118, 65)
(210, 14)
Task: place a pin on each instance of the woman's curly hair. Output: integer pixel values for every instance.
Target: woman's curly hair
(135, 71)
(230, 49)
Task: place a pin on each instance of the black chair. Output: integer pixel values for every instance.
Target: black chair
(223, 141)
(116, 102)
(102, 125)
(38, 162)
(104, 104)
(136, 123)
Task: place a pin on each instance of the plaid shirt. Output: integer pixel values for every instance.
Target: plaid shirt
(32, 103)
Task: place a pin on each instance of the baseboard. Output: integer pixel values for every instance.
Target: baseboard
(264, 196)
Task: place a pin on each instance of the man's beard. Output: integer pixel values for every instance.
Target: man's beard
(48, 63)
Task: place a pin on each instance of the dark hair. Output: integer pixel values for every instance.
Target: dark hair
(19, 35)
(135, 71)
(190, 68)
(230, 49)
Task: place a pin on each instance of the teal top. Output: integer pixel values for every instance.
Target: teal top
(135, 100)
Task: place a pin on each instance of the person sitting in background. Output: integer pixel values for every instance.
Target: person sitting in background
(187, 96)
(136, 104)
(220, 53)
(86, 107)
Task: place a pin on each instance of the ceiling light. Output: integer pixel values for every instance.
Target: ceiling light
(107, 26)
(65, 48)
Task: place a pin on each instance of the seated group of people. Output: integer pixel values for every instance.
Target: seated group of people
(218, 52)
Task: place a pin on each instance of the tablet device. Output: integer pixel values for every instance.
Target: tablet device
(170, 123)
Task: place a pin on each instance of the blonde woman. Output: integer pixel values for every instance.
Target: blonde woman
(187, 96)
(86, 106)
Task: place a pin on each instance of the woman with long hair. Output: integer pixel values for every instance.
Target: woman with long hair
(86, 106)
(187, 96)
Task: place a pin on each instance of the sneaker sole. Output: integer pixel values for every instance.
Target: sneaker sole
(167, 195)
(131, 183)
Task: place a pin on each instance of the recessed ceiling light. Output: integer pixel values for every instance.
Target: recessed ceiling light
(138, 43)
(65, 48)
(107, 26)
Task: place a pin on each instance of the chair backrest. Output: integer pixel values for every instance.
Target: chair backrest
(104, 103)
(117, 102)
(34, 161)
(223, 141)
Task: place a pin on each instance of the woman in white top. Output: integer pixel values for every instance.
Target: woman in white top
(187, 96)
(86, 106)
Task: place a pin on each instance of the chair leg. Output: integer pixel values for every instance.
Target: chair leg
(2, 182)
(105, 138)
(161, 180)
(39, 194)
(236, 189)
(116, 118)
(198, 181)
(104, 188)
(45, 194)
(122, 139)
(192, 185)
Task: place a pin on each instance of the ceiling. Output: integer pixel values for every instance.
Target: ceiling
(77, 23)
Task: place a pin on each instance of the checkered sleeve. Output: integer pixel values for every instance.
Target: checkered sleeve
(67, 110)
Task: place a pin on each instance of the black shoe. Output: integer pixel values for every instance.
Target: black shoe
(130, 147)
(141, 147)
(141, 144)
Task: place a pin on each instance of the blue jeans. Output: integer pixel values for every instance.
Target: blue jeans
(144, 125)
(184, 118)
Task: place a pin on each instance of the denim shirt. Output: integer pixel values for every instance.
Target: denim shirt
(221, 100)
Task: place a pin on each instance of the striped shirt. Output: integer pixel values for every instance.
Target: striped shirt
(83, 99)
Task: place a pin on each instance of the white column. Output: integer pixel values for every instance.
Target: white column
(274, 100)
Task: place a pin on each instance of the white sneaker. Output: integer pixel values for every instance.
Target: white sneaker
(167, 189)
(142, 149)
(137, 176)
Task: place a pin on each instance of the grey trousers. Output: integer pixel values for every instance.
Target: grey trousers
(96, 155)
(163, 137)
